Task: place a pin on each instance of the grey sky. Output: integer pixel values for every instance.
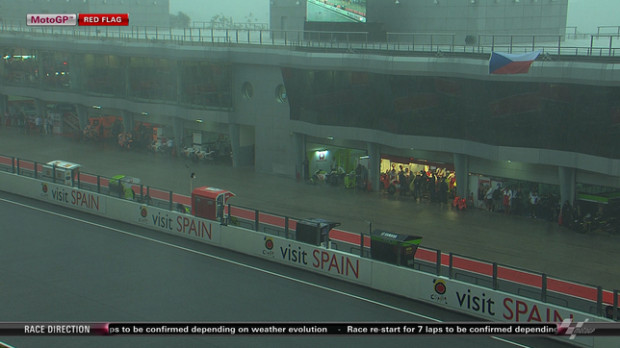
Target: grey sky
(585, 14)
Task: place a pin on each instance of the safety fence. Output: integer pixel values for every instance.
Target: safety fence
(601, 44)
(535, 285)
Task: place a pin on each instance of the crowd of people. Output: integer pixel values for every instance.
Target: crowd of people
(514, 200)
(435, 186)
(31, 125)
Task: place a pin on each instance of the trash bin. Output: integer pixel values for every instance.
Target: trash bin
(394, 248)
(314, 231)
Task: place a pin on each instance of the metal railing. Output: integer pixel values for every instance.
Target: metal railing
(538, 286)
(599, 44)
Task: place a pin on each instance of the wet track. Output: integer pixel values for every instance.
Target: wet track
(61, 265)
(512, 240)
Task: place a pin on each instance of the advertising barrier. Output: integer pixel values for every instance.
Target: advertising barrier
(450, 294)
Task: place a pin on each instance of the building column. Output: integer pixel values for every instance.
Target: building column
(374, 165)
(461, 171)
(127, 120)
(126, 77)
(300, 155)
(4, 105)
(177, 133)
(82, 113)
(76, 69)
(233, 135)
(41, 108)
(179, 86)
(567, 184)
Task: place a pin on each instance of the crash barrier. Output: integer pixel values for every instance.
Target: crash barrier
(553, 295)
(539, 286)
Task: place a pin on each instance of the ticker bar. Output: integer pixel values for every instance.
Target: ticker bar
(181, 328)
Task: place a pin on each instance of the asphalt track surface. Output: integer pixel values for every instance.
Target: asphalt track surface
(61, 265)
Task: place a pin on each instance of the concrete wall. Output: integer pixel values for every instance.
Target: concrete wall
(460, 17)
(287, 15)
(268, 117)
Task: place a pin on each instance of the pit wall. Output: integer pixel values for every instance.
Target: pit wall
(447, 293)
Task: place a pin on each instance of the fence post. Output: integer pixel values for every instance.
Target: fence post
(615, 309)
(286, 227)
(543, 288)
(453, 43)
(142, 193)
(450, 269)
(495, 285)
(599, 300)
(170, 200)
(13, 164)
(438, 263)
(148, 195)
(79, 181)
(256, 220)
(54, 173)
(35, 169)
(98, 184)
(431, 42)
(362, 244)
(229, 214)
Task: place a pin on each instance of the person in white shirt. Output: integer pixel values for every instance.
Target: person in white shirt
(533, 203)
(488, 197)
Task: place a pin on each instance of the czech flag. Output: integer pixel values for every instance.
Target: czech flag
(506, 63)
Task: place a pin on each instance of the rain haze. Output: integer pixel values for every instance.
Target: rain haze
(241, 11)
(206, 172)
(586, 15)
